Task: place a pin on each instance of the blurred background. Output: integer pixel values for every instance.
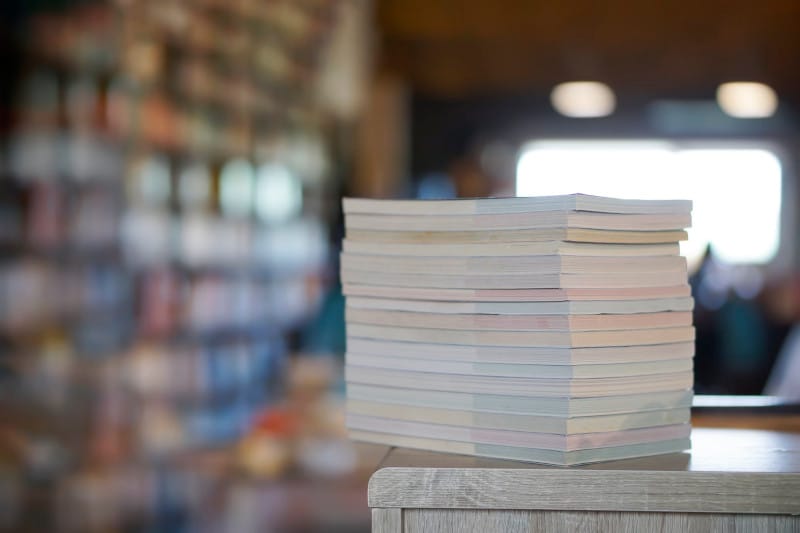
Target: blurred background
(171, 324)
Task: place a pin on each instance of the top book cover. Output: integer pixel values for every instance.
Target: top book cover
(477, 206)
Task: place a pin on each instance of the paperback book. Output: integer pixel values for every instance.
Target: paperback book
(550, 329)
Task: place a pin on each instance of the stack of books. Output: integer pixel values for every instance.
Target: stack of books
(549, 329)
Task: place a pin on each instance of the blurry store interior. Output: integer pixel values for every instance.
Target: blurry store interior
(171, 174)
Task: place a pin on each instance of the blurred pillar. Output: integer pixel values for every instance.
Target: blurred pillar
(381, 159)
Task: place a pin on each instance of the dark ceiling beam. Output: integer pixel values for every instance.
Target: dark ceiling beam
(464, 68)
(670, 48)
(558, 21)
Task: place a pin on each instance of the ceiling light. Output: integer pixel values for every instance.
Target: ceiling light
(747, 99)
(583, 99)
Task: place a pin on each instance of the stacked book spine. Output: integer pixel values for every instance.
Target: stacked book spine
(552, 329)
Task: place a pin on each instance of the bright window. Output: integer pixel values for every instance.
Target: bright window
(736, 192)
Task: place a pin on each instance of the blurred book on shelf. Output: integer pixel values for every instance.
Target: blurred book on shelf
(164, 241)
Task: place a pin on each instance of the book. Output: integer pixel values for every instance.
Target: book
(516, 453)
(509, 249)
(532, 370)
(551, 323)
(518, 235)
(554, 339)
(550, 329)
(532, 439)
(536, 280)
(518, 386)
(485, 419)
(549, 294)
(563, 307)
(470, 206)
(499, 265)
(558, 407)
(547, 220)
(528, 354)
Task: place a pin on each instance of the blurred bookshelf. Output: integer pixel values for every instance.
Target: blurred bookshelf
(166, 201)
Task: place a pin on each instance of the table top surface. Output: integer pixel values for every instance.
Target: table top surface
(713, 450)
(727, 470)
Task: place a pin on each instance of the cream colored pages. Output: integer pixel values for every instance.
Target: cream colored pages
(512, 249)
(517, 235)
(525, 308)
(500, 265)
(551, 220)
(521, 422)
(518, 294)
(528, 439)
(472, 206)
(565, 339)
(545, 387)
(558, 406)
(476, 322)
(526, 354)
(468, 368)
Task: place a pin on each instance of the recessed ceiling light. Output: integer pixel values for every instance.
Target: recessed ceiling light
(583, 99)
(742, 99)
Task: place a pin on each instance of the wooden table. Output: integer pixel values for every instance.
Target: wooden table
(733, 480)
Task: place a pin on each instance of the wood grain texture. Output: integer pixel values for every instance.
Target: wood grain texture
(387, 521)
(775, 422)
(585, 490)
(728, 471)
(479, 521)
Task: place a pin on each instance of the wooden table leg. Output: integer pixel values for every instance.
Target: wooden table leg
(387, 520)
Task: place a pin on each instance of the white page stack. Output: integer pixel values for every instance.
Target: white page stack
(548, 329)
